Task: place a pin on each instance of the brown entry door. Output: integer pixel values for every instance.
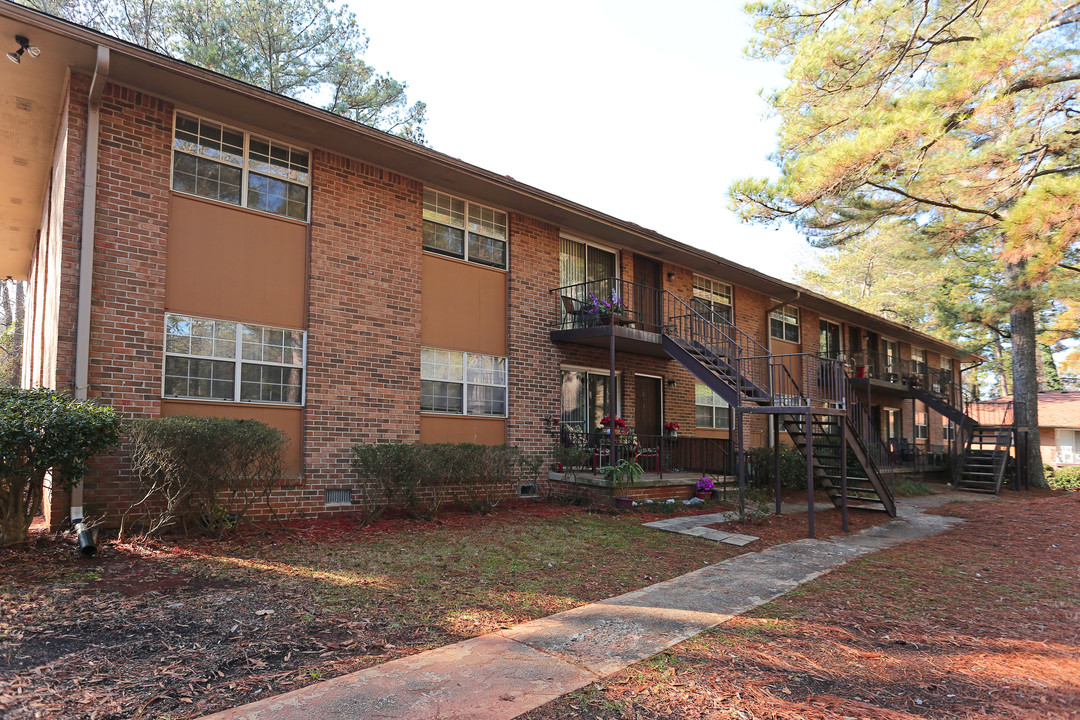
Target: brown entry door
(648, 287)
(647, 408)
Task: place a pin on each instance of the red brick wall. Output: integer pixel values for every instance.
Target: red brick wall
(363, 376)
(534, 398)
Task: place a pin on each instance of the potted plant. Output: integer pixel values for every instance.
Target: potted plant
(622, 475)
(606, 310)
(618, 423)
(672, 429)
(704, 488)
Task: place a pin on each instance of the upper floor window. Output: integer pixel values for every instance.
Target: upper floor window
(829, 345)
(463, 383)
(784, 323)
(215, 161)
(223, 360)
(710, 410)
(712, 298)
(918, 359)
(463, 229)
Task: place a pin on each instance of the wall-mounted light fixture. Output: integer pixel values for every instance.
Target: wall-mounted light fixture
(24, 47)
(671, 276)
(671, 382)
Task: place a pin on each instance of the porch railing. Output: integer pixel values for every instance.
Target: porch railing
(658, 454)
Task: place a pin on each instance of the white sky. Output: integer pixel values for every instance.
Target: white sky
(644, 112)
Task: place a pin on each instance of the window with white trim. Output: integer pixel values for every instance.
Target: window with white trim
(712, 298)
(922, 425)
(207, 359)
(464, 229)
(215, 161)
(948, 429)
(784, 323)
(710, 410)
(462, 383)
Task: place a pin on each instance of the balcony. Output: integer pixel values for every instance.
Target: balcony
(894, 376)
(592, 313)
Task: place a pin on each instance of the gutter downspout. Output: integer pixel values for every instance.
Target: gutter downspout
(86, 250)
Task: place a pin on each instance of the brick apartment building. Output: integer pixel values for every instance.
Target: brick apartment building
(198, 246)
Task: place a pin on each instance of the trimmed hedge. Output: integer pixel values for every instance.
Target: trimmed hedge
(202, 471)
(419, 478)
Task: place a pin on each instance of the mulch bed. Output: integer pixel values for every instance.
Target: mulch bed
(982, 621)
(183, 627)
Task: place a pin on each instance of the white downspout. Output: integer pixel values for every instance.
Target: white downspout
(86, 251)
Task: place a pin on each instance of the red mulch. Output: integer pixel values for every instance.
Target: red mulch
(979, 622)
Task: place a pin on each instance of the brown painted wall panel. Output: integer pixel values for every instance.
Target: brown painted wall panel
(440, 429)
(464, 306)
(286, 419)
(235, 264)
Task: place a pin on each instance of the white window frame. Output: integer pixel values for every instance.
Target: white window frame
(238, 363)
(466, 384)
(922, 429)
(841, 353)
(245, 167)
(468, 205)
(785, 314)
(710, 285)
(889, 367)
(714, 407)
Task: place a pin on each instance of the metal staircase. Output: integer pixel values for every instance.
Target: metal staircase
(744, 373)
(985, 458)
(863, 484)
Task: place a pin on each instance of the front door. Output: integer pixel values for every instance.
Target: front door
(648, 286)
(648, 408)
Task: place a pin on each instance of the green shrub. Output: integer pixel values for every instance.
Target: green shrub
(411, 476)
(1065, 478)
(792, 467)
(43, 430)
(419, 477)
(488, 471)
(202, 471)
(906, 487)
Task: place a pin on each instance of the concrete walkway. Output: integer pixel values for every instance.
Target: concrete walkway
(505, 674)
(695, 524)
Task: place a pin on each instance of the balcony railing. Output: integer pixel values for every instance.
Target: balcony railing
(913, 373)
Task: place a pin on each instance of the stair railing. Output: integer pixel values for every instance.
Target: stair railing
(721, 338)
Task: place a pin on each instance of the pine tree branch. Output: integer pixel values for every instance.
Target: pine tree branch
(935, 203)
(1038, 81)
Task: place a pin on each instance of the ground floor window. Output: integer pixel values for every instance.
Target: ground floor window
(585, 395)
(710, 410)
(948, 429)
(1068, 446)
(463, 383)
(208, 359)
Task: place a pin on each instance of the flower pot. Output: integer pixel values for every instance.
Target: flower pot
(703, 495)
(624, 502)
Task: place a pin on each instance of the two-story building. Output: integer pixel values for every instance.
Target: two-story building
(198, 246)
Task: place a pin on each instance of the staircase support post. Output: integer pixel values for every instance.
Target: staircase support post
(843, 473)
(740, 464)
(776, 458)
(809, 475)
(612, 403)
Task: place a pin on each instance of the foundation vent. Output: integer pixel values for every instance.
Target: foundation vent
(341, 496)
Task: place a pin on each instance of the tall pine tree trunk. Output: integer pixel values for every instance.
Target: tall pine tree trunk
(1025, 379)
